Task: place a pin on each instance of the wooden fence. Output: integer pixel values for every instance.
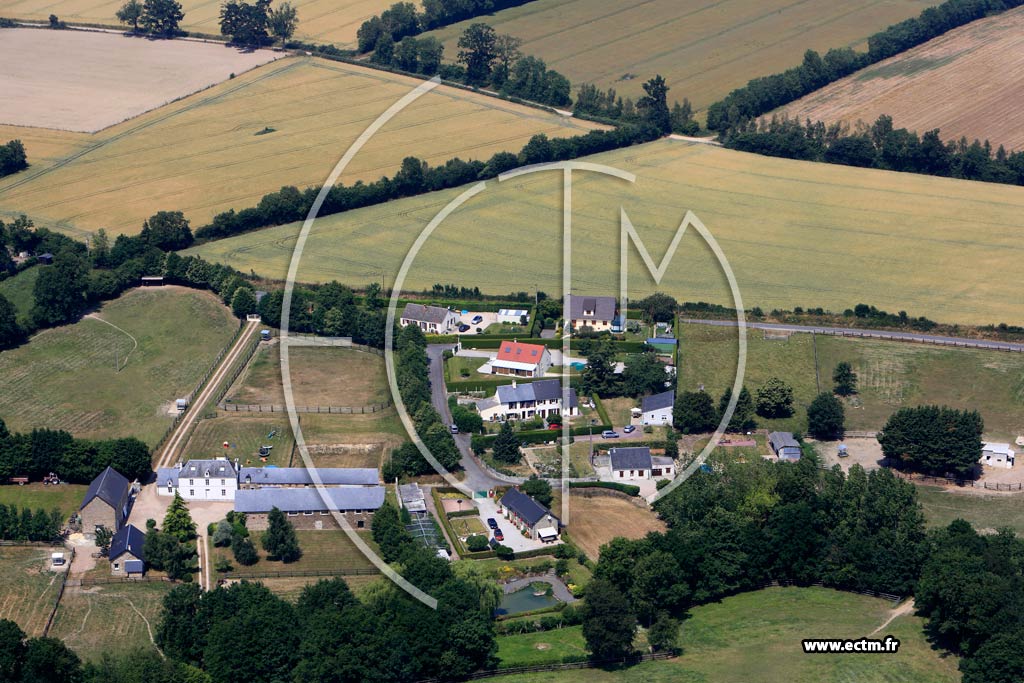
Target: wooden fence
(892, 597)
(954, 481)
(339, 410)
(352, 571)
(564, 666)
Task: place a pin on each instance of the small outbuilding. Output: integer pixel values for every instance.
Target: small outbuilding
(46, 259)
(126, 552)
(657, 408)
(785, 446)
(997, 455)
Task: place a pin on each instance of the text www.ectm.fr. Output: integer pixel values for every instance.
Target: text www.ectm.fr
(885, 645)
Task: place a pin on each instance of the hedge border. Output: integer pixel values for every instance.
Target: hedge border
(629, 489)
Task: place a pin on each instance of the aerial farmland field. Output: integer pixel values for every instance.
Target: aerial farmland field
(940, 84)
(287, 123)
(83, 81)
(28, 588)
(796, 234)
(703, 48)
(64, 378)
(322, 21)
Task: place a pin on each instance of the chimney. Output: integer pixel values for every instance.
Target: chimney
(513, 384)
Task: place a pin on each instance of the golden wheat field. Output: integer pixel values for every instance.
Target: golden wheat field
(795, 233)
(287, 123)
(942, 84)
(322, 21)
(704, 48)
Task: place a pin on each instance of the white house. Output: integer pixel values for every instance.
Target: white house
(636, 462)
(215, 479)
(513, 315)
(521, 360)
(599, 313)
(430, 319)
(997, 455)
(785, 446)
(524, 401)
(657, 408)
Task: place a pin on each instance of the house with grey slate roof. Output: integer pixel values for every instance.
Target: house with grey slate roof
(310, 508)
(106, 503)
(430, 319)
(300, 477)
(656, 409)
(529, 516)
(636, 462)
(599, 313)
(125, 554)
(523, 401)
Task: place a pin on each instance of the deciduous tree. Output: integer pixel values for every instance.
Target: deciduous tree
(826, 417)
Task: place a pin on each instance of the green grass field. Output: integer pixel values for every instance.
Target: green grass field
(201, 154)
(322, 21)
(319, 376)
(64, 378)
(756, 637)
(795, 233)
(326, 550)
(891, 375)
(109, 618)
(704, 49)
(66, 497)
(18, 290)
(985, 512)
(27, 587)
(245, 433)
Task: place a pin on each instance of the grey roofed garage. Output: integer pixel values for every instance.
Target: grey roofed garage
(309, 500)
(543, 390)
(665, 399)
(427, 314)
(300, 476)
(632, 458)
(604, 307)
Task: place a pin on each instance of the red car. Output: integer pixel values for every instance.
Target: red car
(498, 536)
(554, 427)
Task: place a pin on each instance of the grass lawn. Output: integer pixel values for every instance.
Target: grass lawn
(64, 378)
(466, 526)
(619, 409)
(323, 550)
(320, 377)
(465, 367)
(290, 587)
(352, 440)
(27, 586)
(245, 433)
(735, 453)
(986, 512)
(756, 637)
(541, 648)
(109, 618)
(595, 520)
(66, 497)
(890, 375)
(18, 290)
(887, 229)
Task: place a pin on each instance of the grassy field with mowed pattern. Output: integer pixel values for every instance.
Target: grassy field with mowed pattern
(795, 234)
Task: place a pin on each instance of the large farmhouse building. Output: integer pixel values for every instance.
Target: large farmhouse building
(523, 401)
(215, 479)
(430, 319)
(106, 503)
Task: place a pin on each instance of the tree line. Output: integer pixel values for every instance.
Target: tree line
(155, 17)
(37, 453)
(12, 158)
(416, 177)
(254, 23)
(761, 95)
(29, 526)
(402, 19)
(878, 146)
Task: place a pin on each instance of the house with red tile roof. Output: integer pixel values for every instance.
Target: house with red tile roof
(517, 359)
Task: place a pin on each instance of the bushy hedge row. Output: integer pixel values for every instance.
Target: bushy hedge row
(544, 435)
(289, 204)
(628, 489)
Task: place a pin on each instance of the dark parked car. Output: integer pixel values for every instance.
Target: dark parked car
(463, 328)
(498, 536)
(491, 522)
(609, 434)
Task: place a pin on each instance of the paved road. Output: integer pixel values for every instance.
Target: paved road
(477, 477)
(958, 342)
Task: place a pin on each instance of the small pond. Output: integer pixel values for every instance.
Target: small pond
(524, 600)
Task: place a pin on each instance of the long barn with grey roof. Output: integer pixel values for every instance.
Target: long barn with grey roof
(310, 508)
(255, 477)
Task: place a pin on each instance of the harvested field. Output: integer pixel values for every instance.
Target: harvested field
(84, 81)
(64, 378)
(320, 377)
(946, 83)
(109, 618)
(795, 233)
(27, 587)
(286, 123)
(322, 21)
(703, 48)
(597, 519)
(352, 440)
